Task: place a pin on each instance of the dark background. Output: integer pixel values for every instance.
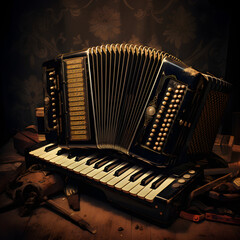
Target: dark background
(202, 33)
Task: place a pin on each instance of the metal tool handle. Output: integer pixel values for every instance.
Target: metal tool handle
(73, 216)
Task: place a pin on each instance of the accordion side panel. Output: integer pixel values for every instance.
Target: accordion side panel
(52, 123)
(207, 127)
(169, 115)
(68, 109)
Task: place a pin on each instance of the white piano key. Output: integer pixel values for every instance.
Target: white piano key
(53, 152)
(147, 189)
(40, 150)
(58, 158)
(138, 187)
(75, 164)
(80, 168)
(62, 160)
(150, 197)
(131, 185)
(95, 171)
(68, 162)
(117, 179)
(125, 181)
(51, 156)
(109, 176)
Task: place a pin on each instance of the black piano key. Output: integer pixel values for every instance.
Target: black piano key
(93, 160)
(71, 155)
(101, 163)
(111, 166)
(62, 151)
(148, 179)
(79, 158)
(158, 182)
(50, 148)
(123, 169)
(137, 175)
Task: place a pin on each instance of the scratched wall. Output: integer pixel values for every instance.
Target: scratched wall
(196, 31)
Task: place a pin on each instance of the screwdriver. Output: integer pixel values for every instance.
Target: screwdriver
(71, 215)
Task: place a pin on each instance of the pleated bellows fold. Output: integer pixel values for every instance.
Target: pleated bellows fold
(121, 80)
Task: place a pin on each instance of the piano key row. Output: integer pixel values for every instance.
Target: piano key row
(123, 176)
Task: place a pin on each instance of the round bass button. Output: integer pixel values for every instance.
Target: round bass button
(176, 185)
(186, 176)
(181, 180)
(191, 171)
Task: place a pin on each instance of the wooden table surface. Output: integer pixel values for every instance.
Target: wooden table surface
(110, 222)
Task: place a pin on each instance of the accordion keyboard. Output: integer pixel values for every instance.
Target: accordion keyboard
(146, 185)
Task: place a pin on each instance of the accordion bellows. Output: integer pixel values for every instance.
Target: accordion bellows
(122, 79)
(133, 99)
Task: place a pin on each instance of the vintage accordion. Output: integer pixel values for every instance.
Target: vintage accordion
(136, 100)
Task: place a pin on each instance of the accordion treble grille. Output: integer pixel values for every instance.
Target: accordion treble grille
(208, 124)
(121, 78)
(77, 100)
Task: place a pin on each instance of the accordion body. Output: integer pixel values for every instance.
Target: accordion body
(136, 100)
